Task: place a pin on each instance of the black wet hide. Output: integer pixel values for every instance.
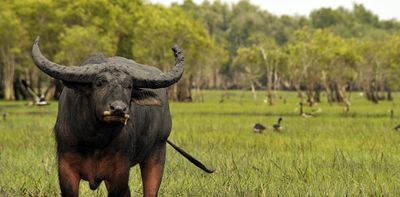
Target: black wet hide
(83, 88)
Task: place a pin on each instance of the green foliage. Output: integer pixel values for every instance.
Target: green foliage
(248, 63)
(13, 35)
(326, 17)
(71, 51)
(156, 33)
(12, 40)
(343, 46)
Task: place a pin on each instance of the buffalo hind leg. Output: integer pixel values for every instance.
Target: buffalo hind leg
(152, 169)
(69, 179)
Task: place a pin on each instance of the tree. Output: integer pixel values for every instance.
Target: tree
(338, 61)
(392, 66)
(370, 68)
(303, 52)
(272, 62)
(158, 29)
(12, 40)
(248, 66)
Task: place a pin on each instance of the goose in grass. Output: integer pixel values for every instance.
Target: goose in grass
(397, 128)
(277, 126)
(258, 128)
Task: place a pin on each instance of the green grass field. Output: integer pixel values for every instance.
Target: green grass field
(333, 154)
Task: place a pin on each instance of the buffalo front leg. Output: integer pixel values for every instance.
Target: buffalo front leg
(117, 183)
(69, 179)
(152, 169)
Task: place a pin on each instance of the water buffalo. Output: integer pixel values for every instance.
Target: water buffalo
(113, 114)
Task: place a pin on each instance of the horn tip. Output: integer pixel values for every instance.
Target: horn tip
(177, 51)
(37, 40)
(176, 48)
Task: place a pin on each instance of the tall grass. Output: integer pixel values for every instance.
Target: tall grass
(333, 154)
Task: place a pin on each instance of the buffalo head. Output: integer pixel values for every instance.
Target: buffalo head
(110, 84)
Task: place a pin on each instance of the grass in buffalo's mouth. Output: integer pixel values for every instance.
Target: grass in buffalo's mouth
(113, 118)
(333, 154)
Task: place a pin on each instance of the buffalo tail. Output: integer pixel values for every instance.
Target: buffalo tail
(190, 158)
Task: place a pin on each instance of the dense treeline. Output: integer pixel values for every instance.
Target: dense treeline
(226, 45)
(335, 50)
(70, 31)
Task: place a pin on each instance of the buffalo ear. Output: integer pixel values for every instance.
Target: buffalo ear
(145, 97)
(84, 88)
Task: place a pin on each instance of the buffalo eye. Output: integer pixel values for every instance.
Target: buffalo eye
(127, 85)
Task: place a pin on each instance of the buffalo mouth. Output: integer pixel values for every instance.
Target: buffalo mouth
(115, 118)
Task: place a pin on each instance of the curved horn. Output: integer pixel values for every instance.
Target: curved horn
(157, 80)
(82, 74)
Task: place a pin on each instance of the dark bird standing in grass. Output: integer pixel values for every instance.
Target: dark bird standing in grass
(391, 113)
(397, 128)
(277, 126)
(258, 128)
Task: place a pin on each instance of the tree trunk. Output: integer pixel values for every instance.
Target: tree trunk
(371, 96)
(270, 97)
(8, 62)
(269, 88)
(39, 84)
(342, 94)
(214, 80)
(298, 90)
(338, 96)
(253, 90)
(371, 92)
(317, 93)
(350, 91)
(172, 92)
(20, 91)
(310, 95)
(270, 76)
(326, 86)
(389, 95)
(183, 91)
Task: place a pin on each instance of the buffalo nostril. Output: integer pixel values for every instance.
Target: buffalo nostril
(118, 107)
